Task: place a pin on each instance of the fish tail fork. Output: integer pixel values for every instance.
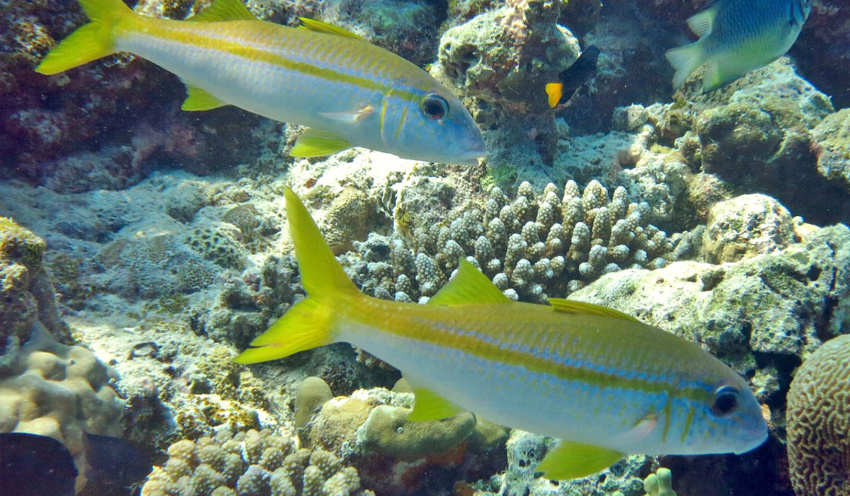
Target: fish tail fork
(686, 60)
(308, 324)
(90, 41)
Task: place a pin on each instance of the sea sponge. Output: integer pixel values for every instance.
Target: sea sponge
(818, 422)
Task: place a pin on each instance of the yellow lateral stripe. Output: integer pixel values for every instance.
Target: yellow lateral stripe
(491, 350)
(202, 36)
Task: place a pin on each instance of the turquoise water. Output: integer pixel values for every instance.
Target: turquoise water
(142, 247)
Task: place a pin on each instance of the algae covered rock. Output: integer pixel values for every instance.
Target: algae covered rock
(26, 292)
(505, 56)
(781, 304)
(746, 226)
(833, 137)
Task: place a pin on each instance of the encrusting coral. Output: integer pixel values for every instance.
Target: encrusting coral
(529, 247)
(818, 419)
(25, 290)
(248, 464)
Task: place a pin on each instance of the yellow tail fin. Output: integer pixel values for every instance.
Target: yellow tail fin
(90, 41)
(307, 324)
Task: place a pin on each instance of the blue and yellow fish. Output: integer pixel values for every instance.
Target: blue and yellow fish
(601, 381)
(348, 91)
(737, 36)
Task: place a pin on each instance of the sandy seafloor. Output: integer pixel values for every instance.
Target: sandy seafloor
(153, 244)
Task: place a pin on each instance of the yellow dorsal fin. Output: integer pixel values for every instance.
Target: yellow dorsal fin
(224, 10)
(554, 91)
(428, 405)
(323, 27)
(702, 23)
(571, 460)
(315, 143)
(580, 307)
(467, 286)
(200, 99)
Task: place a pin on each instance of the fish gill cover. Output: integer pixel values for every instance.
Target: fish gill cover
(143, 246)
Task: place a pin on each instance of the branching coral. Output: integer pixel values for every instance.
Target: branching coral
(529, 246)
(250, 463)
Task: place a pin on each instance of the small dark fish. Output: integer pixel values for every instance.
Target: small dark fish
(34, 465)
(114, 461)
(573, 77)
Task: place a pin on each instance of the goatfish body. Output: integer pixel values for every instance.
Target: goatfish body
(737, 36)
(348, 91)
(601, 381)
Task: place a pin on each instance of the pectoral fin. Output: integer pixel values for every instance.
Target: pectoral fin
(569, 460)
(315, 143)
(350, 117)
(428, 405)
(200, 99)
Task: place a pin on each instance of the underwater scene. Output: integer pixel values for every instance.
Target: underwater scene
(424, 247)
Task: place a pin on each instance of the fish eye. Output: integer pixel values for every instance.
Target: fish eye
(725, 401)
(434, 106)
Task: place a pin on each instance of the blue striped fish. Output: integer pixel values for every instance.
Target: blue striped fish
(348, 91)
(604, 383)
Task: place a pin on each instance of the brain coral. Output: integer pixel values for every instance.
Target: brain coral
(818, 419)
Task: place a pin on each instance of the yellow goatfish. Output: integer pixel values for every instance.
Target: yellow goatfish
(348, 91)
(601, 381)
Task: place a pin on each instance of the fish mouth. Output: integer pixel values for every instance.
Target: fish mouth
(471, 155)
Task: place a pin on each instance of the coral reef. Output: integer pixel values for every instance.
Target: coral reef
(26, 291)
(821, 49)
(46, 387)
(756, 133)
(394, 455)
(59, 391)
(525, 450)
(250, 463)
(832, 136)
(52, 124)
(535, 245)
(779, 306)
(746, 226)
(507, 55)
(818, 419)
